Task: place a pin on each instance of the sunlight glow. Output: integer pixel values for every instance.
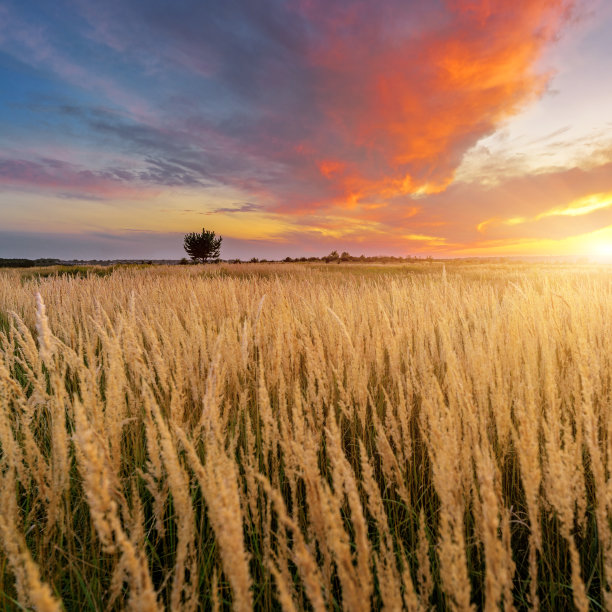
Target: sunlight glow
(601, 252)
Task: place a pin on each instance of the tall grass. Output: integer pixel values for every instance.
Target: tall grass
(298, 438)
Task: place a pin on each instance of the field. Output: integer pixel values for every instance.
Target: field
(306, 437)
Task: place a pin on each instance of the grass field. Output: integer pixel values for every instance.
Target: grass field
(306, 437)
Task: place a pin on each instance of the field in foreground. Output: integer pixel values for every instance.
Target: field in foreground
(306, 437)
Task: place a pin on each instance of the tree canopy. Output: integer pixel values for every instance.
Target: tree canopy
(203, 247)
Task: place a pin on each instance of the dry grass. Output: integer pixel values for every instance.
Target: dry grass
(306, 437)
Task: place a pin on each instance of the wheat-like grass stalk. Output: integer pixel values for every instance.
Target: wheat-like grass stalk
(304, 437)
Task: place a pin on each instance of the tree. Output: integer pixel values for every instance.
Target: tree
(202, 247)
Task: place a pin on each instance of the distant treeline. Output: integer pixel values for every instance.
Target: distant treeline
(334, 257)
(345, 257)
(27, 263)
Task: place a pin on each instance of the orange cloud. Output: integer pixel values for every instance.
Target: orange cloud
(329, 167)
(401, 103)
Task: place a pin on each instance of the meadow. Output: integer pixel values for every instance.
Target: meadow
(306, 437)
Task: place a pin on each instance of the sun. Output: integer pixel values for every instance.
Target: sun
(601, 252)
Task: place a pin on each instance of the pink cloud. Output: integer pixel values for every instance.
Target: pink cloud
(68, 180)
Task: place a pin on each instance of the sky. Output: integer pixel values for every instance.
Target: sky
(445, 128)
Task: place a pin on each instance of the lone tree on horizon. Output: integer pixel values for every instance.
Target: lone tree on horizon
(202, 247)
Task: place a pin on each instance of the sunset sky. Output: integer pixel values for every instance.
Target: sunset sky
(294, 127)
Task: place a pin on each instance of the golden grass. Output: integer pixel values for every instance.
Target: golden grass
(307, 437)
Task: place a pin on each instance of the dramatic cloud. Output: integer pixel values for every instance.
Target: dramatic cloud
(337, 120)
(404, 95)
(330, 102)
